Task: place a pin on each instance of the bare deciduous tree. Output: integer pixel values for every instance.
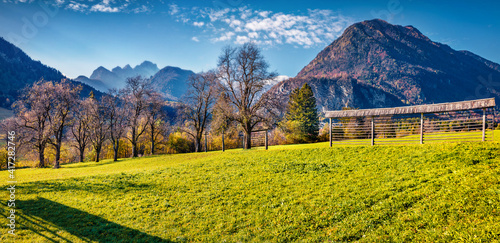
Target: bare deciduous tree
(243, 73)
(98, 127)
(155, 117)
(79, 131)
(33, 111)
(198, 103)
(135, 95)
(116, 119)
(64, 99)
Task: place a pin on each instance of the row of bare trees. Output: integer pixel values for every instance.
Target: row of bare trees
(232, 95)
(49, 112)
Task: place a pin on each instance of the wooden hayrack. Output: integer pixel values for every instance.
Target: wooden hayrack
(442, 123)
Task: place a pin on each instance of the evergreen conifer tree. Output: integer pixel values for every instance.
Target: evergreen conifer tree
(302, 115)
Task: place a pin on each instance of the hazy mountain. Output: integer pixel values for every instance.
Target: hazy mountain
(171, 81)
(104, 79)
(18, 70)
(376, 64)
(104, 75)
(97, 84)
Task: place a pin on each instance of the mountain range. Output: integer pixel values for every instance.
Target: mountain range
(170, 81)
(375, 64)
(18, 70)
(104, 79)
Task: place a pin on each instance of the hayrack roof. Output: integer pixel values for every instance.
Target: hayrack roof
(415, 109)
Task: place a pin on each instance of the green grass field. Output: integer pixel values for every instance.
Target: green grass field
(305, 193)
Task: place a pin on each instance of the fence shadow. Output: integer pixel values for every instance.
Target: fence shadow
(87, 227)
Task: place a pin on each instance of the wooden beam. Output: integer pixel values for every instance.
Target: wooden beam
(421, 128)
(373, 131)
(493, 126)
(330, 132)
(484, 124)
(266, 140)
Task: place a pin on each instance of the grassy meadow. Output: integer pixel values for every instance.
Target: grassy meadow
(293, 193)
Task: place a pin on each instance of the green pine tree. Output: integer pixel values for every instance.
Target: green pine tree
(302, 118)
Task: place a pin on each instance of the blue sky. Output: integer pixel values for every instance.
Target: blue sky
(77, 36)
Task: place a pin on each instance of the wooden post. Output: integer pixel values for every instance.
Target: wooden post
(206, 142)
(484, 124)
(266, 140)
(421, 128)
(330, 132)
(223, 148)
(373, 131)
(493, 125)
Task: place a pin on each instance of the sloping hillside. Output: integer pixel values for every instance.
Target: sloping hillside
(423, 193)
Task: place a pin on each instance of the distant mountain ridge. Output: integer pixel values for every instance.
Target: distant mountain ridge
(104, 79)
(396, 62)
(170, 81)
(18, 70)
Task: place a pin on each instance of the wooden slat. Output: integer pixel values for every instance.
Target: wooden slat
(432, 108)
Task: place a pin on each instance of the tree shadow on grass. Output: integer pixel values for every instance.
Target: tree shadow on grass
(85, 226)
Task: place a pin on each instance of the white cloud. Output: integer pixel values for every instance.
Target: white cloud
(264, 14)
(141, 9)
(242, 39)
(79, 7)
(174, 9)
(215, 15)
(104, 8)
(199, 24)
(316, 27)
(195, 39)
(235, 23)
(253, 35)
(225, 37)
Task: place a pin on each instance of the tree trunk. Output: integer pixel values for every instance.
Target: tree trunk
(200, 144)
(152, 146)
(197, 147)
(97, 154)
(152, 139)
(135, 153)
(82, 151)
(41, 157)
(116, 145)
(58, 155)
(248, 139)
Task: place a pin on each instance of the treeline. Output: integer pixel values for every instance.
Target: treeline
(51, 121)
(50, 115)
